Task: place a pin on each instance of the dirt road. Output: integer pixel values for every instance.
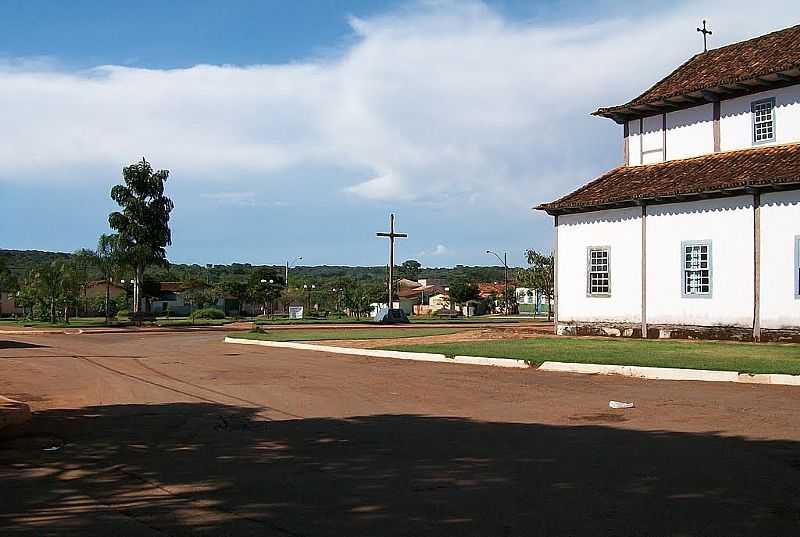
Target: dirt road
(179, 434)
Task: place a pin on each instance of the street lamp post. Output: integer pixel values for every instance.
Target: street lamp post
(308, 290)
(288, 266)
(135, 292)
(265, 301)
(504, 261)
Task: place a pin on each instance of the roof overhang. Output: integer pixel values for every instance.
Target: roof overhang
(727, 90)
(672, 198)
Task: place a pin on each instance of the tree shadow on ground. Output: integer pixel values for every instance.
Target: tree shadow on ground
(188, 469)
(8, 344)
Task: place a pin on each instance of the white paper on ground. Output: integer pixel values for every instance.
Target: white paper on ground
(619, 404)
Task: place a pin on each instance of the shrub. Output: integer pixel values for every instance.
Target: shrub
(123, 315)
(208, 313)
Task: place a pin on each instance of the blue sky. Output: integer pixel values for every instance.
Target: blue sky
(294, 128)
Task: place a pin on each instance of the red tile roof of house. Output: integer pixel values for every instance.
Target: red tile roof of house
(172, 287)
(719, 174)
(741, 68)
(102, 283)
(495, 288)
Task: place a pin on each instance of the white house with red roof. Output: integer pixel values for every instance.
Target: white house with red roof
(697, 233)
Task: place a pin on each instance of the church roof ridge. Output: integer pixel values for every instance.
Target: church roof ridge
(720, 73)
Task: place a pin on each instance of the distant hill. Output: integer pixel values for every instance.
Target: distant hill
(21, 261)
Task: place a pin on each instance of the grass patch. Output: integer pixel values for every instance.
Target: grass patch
(188, 322)
(742, 357)
(466, 320)
(368, 320)
(328, 320)
(349, 333)
(100, 322)
(75, 322)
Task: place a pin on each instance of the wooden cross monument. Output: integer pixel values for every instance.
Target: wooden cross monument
(392, 236)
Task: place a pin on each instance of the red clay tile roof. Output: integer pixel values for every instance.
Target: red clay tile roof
(776, 52)
(719, 173)
(171, 287)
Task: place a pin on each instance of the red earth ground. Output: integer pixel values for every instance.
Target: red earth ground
(181, 434)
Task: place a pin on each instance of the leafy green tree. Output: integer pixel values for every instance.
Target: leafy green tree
(79, 268)
(359, 297)
(410, 269)
(27, 296)
(142, 225)
(196, 293)
(539, 275)
(266, 285)
(8, 281)
(239, 290)
(462, 291)
(108, 260)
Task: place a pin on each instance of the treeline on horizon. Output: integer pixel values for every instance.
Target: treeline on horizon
(20, 262)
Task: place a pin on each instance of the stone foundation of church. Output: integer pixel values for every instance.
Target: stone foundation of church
(724, 333)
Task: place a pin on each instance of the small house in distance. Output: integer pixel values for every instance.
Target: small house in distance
(697, 234)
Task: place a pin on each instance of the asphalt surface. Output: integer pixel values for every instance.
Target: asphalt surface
(180, 434)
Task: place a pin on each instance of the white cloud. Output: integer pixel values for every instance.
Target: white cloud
(439, 250)
(439, 100)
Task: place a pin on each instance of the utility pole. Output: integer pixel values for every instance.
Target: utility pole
(392, 236)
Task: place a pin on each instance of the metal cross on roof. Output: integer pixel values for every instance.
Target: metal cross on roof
(705, 33)
(392, 236)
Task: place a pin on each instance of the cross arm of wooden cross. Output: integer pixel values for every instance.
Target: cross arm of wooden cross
(393, 235)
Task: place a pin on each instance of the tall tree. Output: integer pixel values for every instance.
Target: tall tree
(143, 224)
(107, 259)
(410, 269)
(8, 281)
(80, 271)
(539, 275)
(237, 289)
(462, 291)
(266, 284)
(48, 286)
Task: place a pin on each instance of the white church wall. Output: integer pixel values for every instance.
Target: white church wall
(652, 139)
(736, 123)
(690, 132)
(728, 224)
(780, 226)
(634, 143)
(620, 231)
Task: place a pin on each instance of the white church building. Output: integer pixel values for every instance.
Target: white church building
(697, 234)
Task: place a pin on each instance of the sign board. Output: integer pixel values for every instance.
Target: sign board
(295, 312)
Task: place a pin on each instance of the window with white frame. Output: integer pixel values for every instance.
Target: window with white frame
(763, 121)
(696, 268)
(598, 274)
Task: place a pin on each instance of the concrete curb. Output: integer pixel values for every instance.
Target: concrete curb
(375, 353)
(668, 373)
(13, 412)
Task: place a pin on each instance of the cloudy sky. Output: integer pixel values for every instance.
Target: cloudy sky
(294, 128)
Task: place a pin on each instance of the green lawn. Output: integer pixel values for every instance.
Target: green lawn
(348, 333)
(78, 322)
(185, 321)
(330, 320)
(466, 320)
(368, 320)
(742, 357)
(100, 322)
